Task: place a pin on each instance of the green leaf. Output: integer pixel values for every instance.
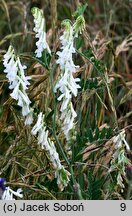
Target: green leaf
(97, 134)
(90, 135)
(94, 187)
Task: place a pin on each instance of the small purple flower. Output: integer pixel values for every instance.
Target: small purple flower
(2, 183)
(2, 187)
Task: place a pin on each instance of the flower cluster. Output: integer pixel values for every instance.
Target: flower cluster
(18, 82)
(7, 193)
(67, 84)
(61, 174)
(119, 160)
(79, 25)
(40, 32)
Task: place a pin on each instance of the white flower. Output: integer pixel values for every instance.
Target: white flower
(44, 141)
(67, 84)
(18, 82)
(68, 116)
(29, 117)
(40, 32)
(8, 55)
(38, 125)
(9, 194)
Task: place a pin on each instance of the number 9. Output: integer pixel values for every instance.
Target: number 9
(123, 206)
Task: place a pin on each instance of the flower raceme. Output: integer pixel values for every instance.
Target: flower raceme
(39, 29)
(67, 84)
(119, 160)
(7, 193)
(44, 141)
(18, 82)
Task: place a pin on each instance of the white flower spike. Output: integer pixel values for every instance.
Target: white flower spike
(18, 82)
(39, 29)
(67, 84)
(61, 174)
